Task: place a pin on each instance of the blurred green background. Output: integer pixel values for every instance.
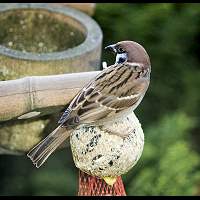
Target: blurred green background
(169, 113)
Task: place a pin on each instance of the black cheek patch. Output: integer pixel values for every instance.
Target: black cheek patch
(121, 60)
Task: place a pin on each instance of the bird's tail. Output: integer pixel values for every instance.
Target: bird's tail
(48, 145)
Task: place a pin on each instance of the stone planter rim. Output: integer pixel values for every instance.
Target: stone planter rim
(93, 36)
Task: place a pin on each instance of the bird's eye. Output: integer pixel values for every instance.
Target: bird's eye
(121, 50)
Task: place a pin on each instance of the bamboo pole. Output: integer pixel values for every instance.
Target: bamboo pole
(39, 95)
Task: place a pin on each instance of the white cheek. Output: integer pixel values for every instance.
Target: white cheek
(120, 56)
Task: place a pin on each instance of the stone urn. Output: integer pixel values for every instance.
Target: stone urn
(38, 40)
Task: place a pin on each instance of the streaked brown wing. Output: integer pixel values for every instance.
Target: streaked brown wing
(106, 106)
(68, 116)
(113, 90)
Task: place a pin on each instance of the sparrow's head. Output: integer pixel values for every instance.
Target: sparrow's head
(129, 51)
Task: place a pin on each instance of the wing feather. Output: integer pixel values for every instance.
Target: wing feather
(99, 100)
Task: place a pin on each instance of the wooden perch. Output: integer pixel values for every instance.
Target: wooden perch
(39, 95)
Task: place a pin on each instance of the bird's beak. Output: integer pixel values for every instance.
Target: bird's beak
(111, 48)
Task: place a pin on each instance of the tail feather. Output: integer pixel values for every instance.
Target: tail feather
(42, 158)
(36, 151)
(32, 154)
(48, 145)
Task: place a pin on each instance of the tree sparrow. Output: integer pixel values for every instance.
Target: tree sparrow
(116, 91)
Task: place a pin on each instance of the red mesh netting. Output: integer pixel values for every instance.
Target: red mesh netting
(93, 186)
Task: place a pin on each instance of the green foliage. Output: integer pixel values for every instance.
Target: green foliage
(58, 176)
(169, 165)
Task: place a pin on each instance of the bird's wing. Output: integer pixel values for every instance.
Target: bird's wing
(113, 90)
